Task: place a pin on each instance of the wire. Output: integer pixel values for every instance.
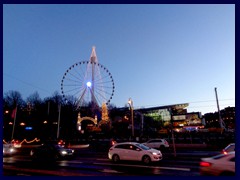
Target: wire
(26, 83)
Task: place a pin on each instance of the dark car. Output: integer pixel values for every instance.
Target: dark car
(51, 152)
(8, 150)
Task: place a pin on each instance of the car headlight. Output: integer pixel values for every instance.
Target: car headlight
(11, 150)
(154, 153)
(64, 152)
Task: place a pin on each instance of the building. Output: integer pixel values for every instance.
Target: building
(227, 114)
(175, 116)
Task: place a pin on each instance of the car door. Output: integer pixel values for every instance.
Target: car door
(229, 163)
(122, 151)
(150, 143)
(133, 153)
(154, 144)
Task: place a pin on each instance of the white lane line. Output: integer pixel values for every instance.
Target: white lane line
(109, 171)
(150, 167)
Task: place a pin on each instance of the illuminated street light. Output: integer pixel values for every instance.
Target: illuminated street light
(22, 124)
(130, 102)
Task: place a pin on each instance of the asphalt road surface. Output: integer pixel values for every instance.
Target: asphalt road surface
(91, 163)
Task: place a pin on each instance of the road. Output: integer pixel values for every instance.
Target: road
(90, 163)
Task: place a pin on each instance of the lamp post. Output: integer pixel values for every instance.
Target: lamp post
(130, 102)
(173, 140)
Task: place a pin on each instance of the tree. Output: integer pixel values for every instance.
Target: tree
(13, 99)
(33, 102)
(34, 99)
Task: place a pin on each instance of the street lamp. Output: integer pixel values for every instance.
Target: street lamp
(130, 102)
(173, 141)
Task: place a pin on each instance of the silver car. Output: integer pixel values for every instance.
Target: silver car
(161, 144)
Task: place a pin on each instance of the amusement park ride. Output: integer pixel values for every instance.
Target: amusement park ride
(92, 85)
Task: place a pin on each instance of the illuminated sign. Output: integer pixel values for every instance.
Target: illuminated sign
(179, 117)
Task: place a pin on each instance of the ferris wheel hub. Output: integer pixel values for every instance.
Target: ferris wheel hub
(89, 84)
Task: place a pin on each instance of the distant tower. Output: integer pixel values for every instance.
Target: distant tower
(93, 61)
(93, 57)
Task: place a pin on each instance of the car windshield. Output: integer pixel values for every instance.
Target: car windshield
(230, 147)
(57, 146)
(143, 146)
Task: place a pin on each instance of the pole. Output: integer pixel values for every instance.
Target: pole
(173, 140)
(219, 115)
(48, 108)
(130, 102)
(142, 118)
(59, 113)
(14, 122)
(132, 121)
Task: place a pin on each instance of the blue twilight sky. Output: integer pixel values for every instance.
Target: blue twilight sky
(157, 54)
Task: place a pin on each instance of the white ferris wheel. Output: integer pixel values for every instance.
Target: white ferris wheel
(89, 82)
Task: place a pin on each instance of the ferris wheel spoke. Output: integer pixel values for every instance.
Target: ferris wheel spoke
(81, 98)
(105, 91)
(104, 82)
(105, 85)
(75, 76)
(81, 75)
(72, 80)
(72, 91)
(102, 78)
(102, 94)
(72, 85)
(96, 98)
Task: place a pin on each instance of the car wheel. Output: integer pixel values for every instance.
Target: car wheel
(115, 158)
(146, 159)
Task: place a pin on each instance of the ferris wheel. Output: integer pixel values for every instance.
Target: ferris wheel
(88, 82)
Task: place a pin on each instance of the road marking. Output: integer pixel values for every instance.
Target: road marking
(150, 167)
(109, 171)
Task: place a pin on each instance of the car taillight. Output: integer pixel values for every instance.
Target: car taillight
(113, 142)
(205, 164)
(110, 149)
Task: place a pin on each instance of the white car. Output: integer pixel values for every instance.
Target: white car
(219, 165)
(133, 151)
(157, 144)
(8, 150)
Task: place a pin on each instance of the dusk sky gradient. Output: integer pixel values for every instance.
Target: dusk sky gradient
(158, 54)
